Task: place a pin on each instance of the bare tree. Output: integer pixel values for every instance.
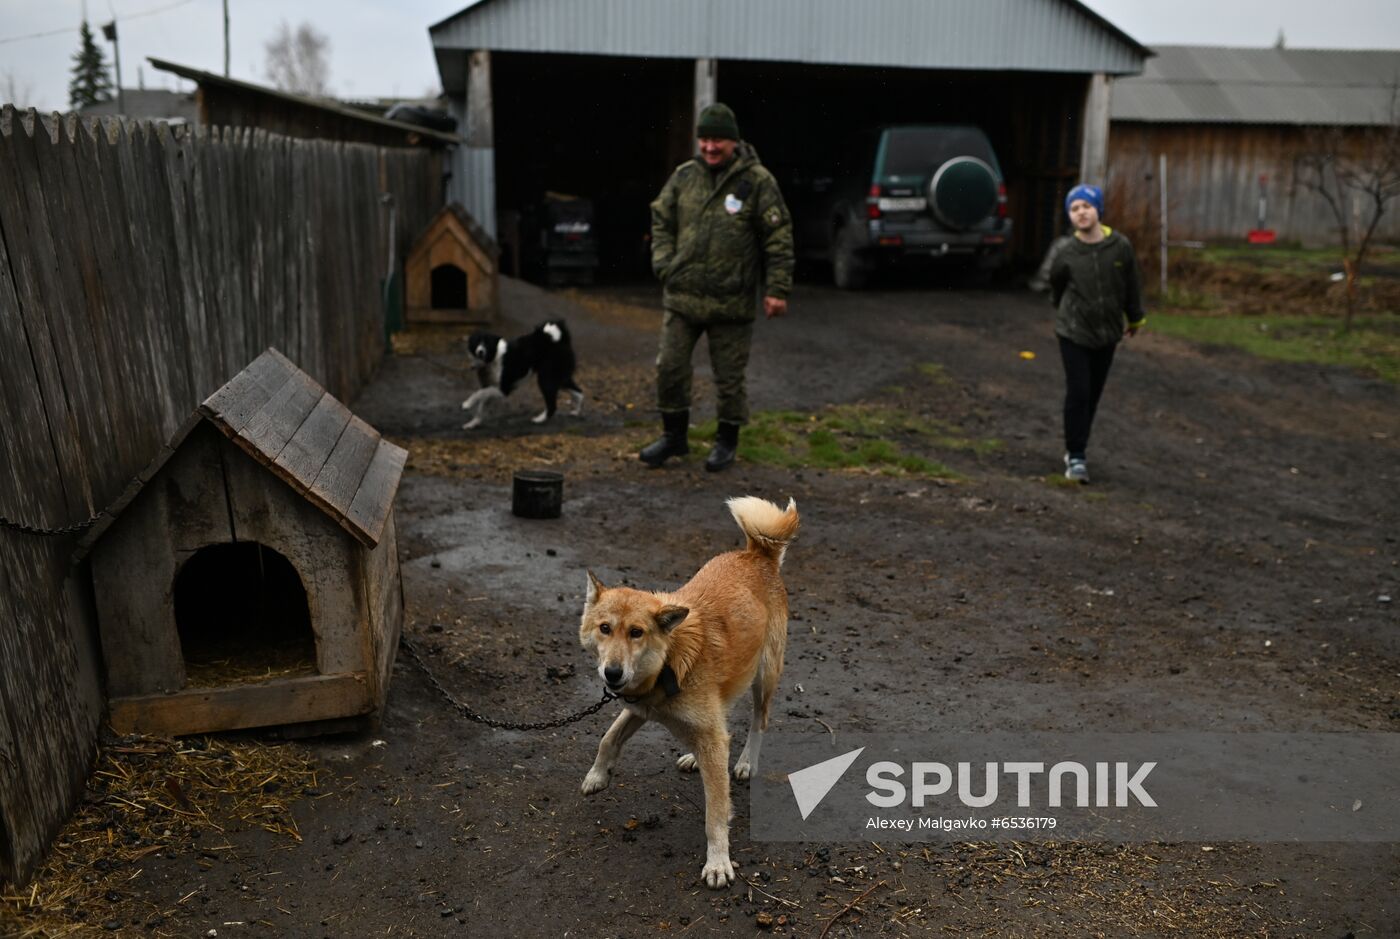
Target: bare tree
(297, 60)
(1360, 172)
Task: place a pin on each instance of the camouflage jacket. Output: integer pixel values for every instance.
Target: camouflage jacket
(1096, 289)
(717, 238)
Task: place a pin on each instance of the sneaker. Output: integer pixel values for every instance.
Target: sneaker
(1076, 469)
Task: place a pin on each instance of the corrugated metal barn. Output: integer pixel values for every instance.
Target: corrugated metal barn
(597, 98)
(1226, 117)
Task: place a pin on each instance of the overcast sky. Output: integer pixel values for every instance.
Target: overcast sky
(380, 48)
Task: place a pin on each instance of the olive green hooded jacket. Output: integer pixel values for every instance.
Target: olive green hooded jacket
(1096, 289)
(718, 237)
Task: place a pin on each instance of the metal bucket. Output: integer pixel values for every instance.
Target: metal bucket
(537, 494)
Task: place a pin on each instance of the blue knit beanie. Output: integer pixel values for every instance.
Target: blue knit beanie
(1090, 194)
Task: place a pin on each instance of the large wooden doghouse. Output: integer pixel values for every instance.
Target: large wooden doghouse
(250, 577)
(451, 275)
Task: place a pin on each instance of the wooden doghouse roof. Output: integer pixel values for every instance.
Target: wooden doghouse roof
(478, 240)
(282, 418)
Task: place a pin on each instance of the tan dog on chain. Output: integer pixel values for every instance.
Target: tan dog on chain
(682, 659)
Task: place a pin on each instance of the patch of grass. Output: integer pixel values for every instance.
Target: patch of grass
(935, 371)
(1372, 345)
(1289, 258)
(1059, 480)
(850, 436)
(1184, 298)
(1293, 257)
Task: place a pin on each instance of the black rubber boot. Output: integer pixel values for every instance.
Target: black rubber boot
(672, 442)
(726, 444)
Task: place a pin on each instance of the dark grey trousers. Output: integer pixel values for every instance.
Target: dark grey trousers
(729, 358)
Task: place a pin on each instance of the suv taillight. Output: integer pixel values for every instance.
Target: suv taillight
(872, 202)
(1001, 200)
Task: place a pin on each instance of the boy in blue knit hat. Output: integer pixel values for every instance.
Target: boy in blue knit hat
(1096, 287)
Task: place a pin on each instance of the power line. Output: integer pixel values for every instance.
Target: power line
(168, 6)
(74, 29)
(52, 32)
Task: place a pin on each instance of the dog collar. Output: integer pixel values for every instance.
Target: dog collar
(666, 681)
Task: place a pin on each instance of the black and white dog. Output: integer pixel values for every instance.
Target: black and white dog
(502, 366)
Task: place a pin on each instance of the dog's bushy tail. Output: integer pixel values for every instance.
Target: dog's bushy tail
(768, 528)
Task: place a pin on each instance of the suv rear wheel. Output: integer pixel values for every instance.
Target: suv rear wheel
(849, 270)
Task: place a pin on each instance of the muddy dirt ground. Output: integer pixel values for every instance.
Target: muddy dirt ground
(1243, 516)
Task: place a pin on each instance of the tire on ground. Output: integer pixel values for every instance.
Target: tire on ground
(849, 271)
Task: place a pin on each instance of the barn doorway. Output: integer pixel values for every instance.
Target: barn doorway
(801, 118)
(242, 616)
(601, 128)
(449, 287)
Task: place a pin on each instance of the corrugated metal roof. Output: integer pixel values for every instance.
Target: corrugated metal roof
(1027, 35)
(1206, 84)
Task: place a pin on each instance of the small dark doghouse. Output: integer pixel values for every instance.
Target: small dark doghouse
(451, 275)
(250, 578)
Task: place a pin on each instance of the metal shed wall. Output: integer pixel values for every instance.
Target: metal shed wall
(1023, 35)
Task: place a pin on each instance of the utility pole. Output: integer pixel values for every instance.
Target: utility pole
(109, 32)
(226, 38)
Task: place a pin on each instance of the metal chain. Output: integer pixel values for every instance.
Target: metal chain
(417, 659)
(66, 530)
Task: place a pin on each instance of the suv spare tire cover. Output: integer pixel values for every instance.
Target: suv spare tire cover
(962, 192)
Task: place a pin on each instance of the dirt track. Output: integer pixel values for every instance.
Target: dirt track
(1235, 502)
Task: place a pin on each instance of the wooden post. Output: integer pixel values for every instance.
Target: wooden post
(478, 159)
(706, 79)
(479, 132)
(1162, 188)
(1093, 152)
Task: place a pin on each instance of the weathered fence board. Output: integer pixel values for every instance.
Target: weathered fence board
(1213, 183)
(141, 268)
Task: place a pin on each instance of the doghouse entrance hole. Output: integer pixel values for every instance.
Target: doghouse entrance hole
(449, 287)
(242, 616)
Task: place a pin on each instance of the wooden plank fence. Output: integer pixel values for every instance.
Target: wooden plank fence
(1213, 175)
(140, 268)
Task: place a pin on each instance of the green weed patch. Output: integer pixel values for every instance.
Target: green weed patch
(1372, 345)
(849, 436)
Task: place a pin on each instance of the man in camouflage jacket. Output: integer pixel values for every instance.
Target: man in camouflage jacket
(720, 234)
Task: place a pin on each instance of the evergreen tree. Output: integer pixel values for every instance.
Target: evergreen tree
(92, 83)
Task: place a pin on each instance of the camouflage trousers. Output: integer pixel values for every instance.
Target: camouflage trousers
(729, 357)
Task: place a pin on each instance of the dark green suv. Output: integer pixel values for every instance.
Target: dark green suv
(931, 192)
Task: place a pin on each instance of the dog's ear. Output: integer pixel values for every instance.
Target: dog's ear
(595, 590)
(669, 617)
